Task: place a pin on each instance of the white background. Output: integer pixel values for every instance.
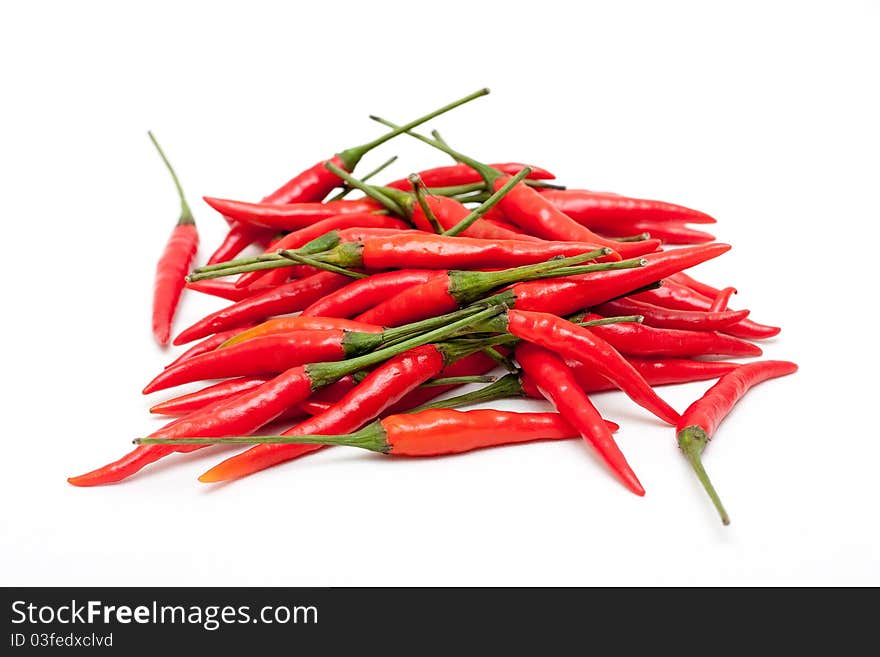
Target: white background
(763, 114)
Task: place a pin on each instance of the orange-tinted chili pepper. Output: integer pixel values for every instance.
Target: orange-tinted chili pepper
(359, 296)
(461, 174)
(700, 421)
(174, 263)
(578, 343)
(558, 385)
(660, 317)
(301, 323)
(641, 340)
(286, 298)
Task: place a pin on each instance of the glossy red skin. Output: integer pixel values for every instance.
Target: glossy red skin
(558, 385)
(656, 371)
(193, 401)
(305, 235)
(265, 354)
(529, 210)
(675, 295)
(447, 431)
(208, 344)
(293, 216)
(461, 174)
(225, 289)
(703, 288)
(304, 323)
(313, 184)
(450, 212)
(286, 298)
(359, 296)
(564, 296)
(721, 301)
(603, 209)
(660, 317)
(419, 302)
(667, 233)
(708, 411)
(579, 343)
(241, 415)
(427, 251)
(382, 388)
(171, 272)
(641, 340)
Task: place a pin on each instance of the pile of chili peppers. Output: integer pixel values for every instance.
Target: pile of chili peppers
(355, 315)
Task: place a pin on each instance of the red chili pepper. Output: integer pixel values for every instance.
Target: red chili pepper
(426, 251)
(293, 216)
(208, 344)
(559, 386)
(225, 289)
(578, 343)
(661, 317)
(254, 408)
(668, 233)
(688, 281)
(719, 303)
(301, 323)
(286, 298)
(175, 261)
(238, 238)
(461, 174)
(699, 422)
(563, 296)
(300, 238)
(359, 296)
(673, 295)
(600, 210)
(656, 371)
(641, 340)
(451, 289)
(432, 433)
(317, 181)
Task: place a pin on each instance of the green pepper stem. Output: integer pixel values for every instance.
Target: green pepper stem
(486, 205)
(488, 173)
(305, 260)
(641, 237)
(692, 441)
(373, 192)
(351, 156)
(508, 385)
(346, 189)
(419, 190)
(186, 215)
(459, 380)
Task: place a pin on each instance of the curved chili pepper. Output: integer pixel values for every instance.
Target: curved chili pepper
(301, 323)
(251, 410)
(674, 295)
(719, 303)
(225, 289)
(454, 288)
(174, 263)
(641, 340)
(317, 181)
(688, 281)
(599, 210)
(656, 371)
(359, 296)
(661, 317)
(292, 216)
(666, 233)
(699, 422)
(449, 212)
(558, 385)
(578, 343)
(300, 238)
(563, 296)
(426, 251)
(286, 298)
(461, 174)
